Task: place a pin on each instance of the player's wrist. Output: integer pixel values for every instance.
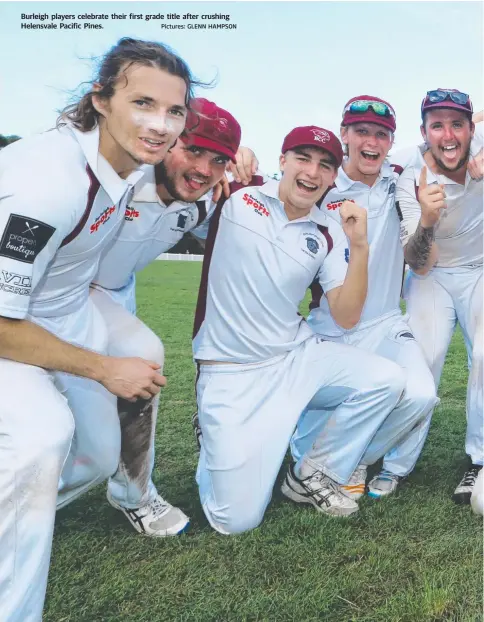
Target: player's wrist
(359, 246)
(426, 223)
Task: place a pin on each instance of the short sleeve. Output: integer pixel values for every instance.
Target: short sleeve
(34, 220)
(332, 272)
(407, 204)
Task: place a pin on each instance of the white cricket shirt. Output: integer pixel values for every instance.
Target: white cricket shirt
(458, 234)
(385, 263)
(61, 202)
(149, 229)
(257, 268)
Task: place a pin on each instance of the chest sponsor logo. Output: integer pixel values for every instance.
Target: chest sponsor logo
(130, 214)
(337, 204)
(259, 208)
(14, 283)
(102, 219)
(24, 238)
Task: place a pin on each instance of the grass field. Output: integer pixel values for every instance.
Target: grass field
(410, 558)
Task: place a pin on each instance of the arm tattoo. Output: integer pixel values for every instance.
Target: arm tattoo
(418, 248)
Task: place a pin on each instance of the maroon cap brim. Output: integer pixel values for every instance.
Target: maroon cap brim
(351, 118)
(447, 104)
(205, 143)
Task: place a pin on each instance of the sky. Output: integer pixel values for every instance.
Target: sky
(285, 64)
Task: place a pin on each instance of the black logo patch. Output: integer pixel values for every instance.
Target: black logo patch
(24, 238)
(405, 335)
(182, 219)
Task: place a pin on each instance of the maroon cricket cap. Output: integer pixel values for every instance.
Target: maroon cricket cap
(211, 127)
(313, 136)
(428, 104)
(369, 115)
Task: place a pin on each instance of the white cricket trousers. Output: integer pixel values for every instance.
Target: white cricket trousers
(389, 337)
(248, 413)
(436, 303)
(131, 486)
(40, 411)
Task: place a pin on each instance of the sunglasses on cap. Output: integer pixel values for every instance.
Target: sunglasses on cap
(362, 105)
(440, 95)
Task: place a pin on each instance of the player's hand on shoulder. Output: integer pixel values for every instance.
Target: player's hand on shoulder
(354, 222)
(476, 166)
(131, 377)
(221, 187)
(246, 165)
(432, 200)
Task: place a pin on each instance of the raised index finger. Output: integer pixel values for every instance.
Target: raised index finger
(422, 182)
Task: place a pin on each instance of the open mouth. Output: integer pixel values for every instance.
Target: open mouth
(151, 144)
(306, 186)
(372, 156)
(450, 151)
(194, 182)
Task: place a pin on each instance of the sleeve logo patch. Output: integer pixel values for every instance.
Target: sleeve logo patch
(24, 238)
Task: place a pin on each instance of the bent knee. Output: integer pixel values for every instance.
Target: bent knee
(393, 377)
(232, 522)
(152, 349)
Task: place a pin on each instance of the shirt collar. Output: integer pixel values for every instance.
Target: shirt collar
(111, 182)
(343, 182)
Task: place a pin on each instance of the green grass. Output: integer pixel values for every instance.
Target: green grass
(410, 558)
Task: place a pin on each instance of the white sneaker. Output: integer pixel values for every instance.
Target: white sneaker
(383, 484)
(320, 491)
(157, 518)
(355, 488)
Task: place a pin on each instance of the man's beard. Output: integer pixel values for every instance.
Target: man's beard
(459, 165)
(162, 177)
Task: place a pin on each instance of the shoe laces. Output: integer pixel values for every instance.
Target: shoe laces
(470, 476)
(322, 481)
(388, 475)
(158, 507)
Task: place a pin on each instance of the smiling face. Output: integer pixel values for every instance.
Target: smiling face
(143, 118)
(368, 146)
(188, 172)
(307, 174)
(448, 134)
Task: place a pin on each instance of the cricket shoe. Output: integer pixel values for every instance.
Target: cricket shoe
(158, 518)
(383, 484)
(197, 430)
(355, 488)
(463, 492)
(320, 491)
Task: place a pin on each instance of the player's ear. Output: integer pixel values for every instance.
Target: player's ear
(423, 132)
(282, 162)
(343, 132)
(100, 104)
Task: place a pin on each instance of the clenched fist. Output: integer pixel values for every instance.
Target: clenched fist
(431, 199)
(354, 223)
(131, 378)
(476, 166)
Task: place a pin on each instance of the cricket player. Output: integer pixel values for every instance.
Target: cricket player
(442, 211)
(369, 179)
(63, 195)
(260, 363)
(173, 198)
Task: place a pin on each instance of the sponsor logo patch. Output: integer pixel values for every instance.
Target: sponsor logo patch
(337, 204)
(259, 208)
(24, 238)
(102, 219)
(347, 255)
(130, 214)
(404, 334)
(14, 283)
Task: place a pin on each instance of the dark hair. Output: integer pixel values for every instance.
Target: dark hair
(120, 57)
(468, 114)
